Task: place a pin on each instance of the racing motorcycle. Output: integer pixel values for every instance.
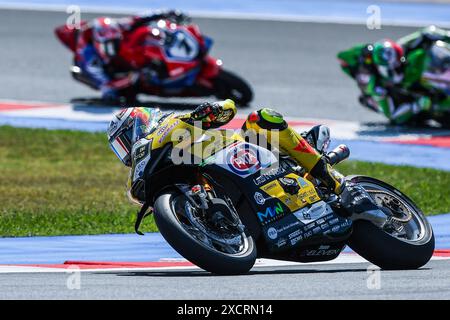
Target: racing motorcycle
(174, 61)
(238, 201)
(433, 64)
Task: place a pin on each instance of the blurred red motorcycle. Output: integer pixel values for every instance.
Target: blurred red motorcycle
(169, 60)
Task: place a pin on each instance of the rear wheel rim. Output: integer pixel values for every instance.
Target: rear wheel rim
(412, 231)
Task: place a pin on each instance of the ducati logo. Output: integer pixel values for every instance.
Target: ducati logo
(259, 198)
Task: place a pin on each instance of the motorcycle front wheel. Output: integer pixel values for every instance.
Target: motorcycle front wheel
(219, 251)
(407, 239)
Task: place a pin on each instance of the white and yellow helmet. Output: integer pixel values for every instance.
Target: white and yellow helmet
(128, 126)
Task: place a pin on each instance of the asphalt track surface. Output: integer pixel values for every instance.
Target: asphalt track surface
(292, 67)
(336, 281)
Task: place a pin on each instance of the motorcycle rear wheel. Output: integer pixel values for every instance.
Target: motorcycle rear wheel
(230, 86)
(195, 245)
(404, 245)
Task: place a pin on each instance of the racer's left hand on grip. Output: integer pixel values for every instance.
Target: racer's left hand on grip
(206, 112)
(214, 115)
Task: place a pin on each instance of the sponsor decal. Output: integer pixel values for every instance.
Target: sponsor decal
(288, 201)
(270, 186)
(259, 198)
(289, 226)
(346, 223)
(335, 228)
(167, 131)
(295, 234)
(279, 232)
(317, 230)
(308, 234)
(269, 175)
(112, 127)
(141, 156)
(243, 161)
(302, 182)
(306, 215)
(140, 167)
(296, 240)
(325, 226)
(309, 214)
(334, 221)
(141, 151)
(281, 243)
(309, 193)
(320, 221)
(310, 226)
(272, 233)
(321, 251)
(162, 129)
(271, 212)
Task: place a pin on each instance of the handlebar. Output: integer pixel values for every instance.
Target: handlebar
(338, 154)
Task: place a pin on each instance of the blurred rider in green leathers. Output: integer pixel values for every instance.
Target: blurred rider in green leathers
(403, 79)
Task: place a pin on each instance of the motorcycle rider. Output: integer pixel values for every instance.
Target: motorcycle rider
(423, 38)
(129, 128)
(389, 73)
(98, 50)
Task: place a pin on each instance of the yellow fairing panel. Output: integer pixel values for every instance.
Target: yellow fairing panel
(306, 195)
(201, 143)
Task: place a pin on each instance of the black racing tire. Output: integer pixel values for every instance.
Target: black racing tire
(195, 251)
(230, 86)
(385, 250)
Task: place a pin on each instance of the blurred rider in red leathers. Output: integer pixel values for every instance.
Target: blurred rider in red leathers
(98, 51)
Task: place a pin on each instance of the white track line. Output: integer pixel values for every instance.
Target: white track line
(260, 263)
(226, 15)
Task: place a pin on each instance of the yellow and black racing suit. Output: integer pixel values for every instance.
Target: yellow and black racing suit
(271, 124)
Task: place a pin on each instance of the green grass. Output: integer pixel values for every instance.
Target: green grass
(68, 182)
(62, 182)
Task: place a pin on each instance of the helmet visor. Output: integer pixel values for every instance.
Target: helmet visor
(121, 145)
(146, 121)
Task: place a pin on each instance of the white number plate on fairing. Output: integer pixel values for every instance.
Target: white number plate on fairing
(314, 212)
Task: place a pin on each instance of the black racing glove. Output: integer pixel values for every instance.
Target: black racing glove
(212, 115)
(207, 113)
